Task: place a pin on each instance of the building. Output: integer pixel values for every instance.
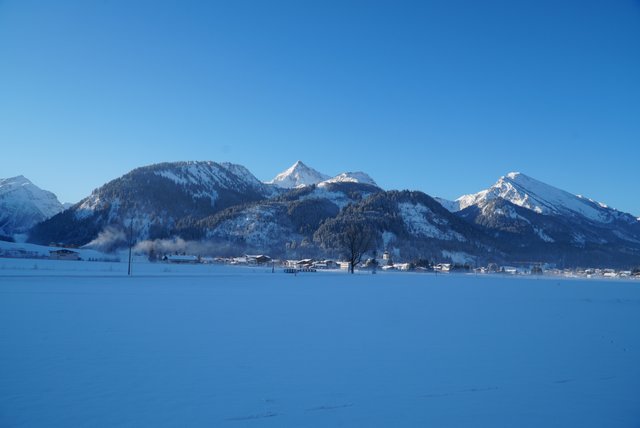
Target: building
(325, 264)
(344, 265)
(442, 267)
(182, 259)
(258, 259)
(64, 254)
(300, 264)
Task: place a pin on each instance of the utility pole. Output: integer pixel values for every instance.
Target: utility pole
(130, 245)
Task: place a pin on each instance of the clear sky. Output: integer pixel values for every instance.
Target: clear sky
(439, 96)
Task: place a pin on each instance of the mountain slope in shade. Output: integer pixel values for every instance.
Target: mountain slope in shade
(298, 175)
(282, 225)
(23, 204)
(157, 198)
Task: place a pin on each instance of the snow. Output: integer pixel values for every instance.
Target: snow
(257, 226)
(208, 175)
(420, 220)
(298, 175)
(475, 199)
(82, 344)
(170, 175)
(451, 206)
(339, 198)
(88, 206)
(94, 203)
(508, 212)
(542, 235)
(242, 172)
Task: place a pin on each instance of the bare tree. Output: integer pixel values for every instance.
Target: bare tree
(356, 240)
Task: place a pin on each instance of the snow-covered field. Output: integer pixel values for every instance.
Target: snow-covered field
(82, 345)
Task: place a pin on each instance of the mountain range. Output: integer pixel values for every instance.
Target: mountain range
(302, 212)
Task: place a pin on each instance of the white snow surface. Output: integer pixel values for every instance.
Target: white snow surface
(537, 196)
(298, 175)
(23, 204)
(82, 344)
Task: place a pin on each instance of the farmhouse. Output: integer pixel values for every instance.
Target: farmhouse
(64, 254)
(300, 264)
(257, 259)
(443, 267)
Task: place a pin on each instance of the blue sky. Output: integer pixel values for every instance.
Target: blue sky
(439, 96)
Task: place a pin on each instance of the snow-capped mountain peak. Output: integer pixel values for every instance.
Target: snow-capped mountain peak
(542, 198)
(351, 177)
(298, 175)
(23, 204)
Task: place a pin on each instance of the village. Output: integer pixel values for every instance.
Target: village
(387, 264)
(310, 265)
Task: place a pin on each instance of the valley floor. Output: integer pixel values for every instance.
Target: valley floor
(82, 344)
